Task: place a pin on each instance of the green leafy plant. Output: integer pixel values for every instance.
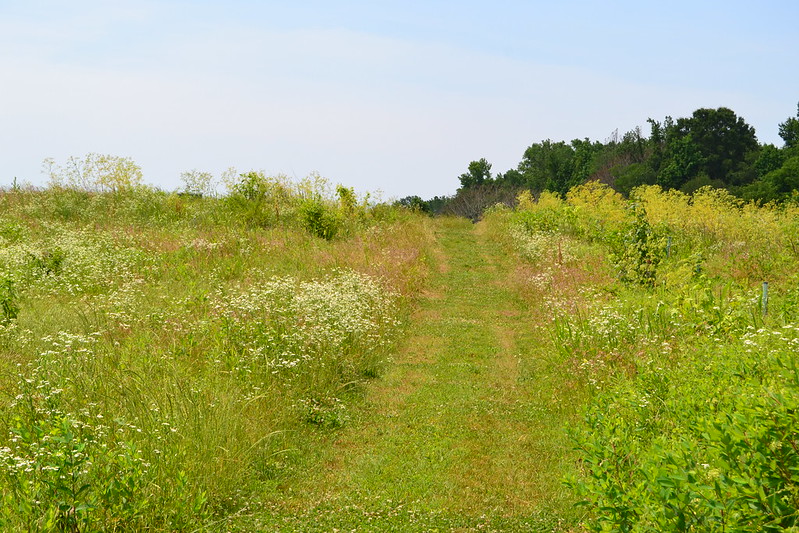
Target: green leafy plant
(61, 471)
(49, 262)
(8, 301)
(319, 219)
(639, 250)
(327, 412)
(11, 232)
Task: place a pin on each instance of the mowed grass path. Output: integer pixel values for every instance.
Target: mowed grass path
(461, 432)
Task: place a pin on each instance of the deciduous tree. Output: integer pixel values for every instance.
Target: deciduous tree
(789, 130)
(478, 174)
(722, 138)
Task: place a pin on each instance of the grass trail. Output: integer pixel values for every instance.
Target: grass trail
(461, 432)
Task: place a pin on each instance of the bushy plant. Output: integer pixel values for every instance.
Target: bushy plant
(319, 219)
(549, 213)
(690, 421)
(713, 448)
(11, 232)
(638, 250)
(48, 262)
(348, 201)
(599, 210)
(94, 172)
(9, 304)
(71, 470)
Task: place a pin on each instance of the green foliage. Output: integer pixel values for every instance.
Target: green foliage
(548, 166)
(627, 177)
(777, 185)
(690, 422)
(414, 203)
(348, 201)
(704, 448)
(11, 232)
(548, 214)
(478, 174)
(712, 147)
(769, 158)
(585, 153)
(700, 182)
(48, 262)
(722, 138)
(264, 201)
(252, 186)
(156, 378)
(9, 304)
(639, 250)
(319, 219)
(789, 130)
(69, 471)
(785, 179)
(684, 161)
(256, 199)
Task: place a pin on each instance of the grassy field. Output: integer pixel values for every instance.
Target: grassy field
(680, 329)
(296, 359)
(168, 362)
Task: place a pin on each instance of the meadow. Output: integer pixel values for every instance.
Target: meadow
(292, 356)
(168, 361)
(674, 318)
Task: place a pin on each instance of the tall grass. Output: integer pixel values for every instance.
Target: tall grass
(168, 362)
(687, 378)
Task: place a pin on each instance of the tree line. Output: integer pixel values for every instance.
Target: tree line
(712, 147)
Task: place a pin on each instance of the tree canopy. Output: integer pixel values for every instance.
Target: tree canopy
(789, 130)
(713, 147)
(478, 173)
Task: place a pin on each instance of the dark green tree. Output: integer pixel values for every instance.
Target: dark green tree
(769, 158)
(683, 161)
(583, 161)
(511, 179)
(777, 185)
(722, 138)
(414, 203)
(786, 178)
(547, 166)
(657, 133)
(479, 173)
(789, 130)
(627, 177)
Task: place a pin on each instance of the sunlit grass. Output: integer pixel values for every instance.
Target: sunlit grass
(180, 362)
(685, 371)
(169, 364)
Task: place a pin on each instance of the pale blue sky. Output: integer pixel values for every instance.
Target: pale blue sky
(390, 96)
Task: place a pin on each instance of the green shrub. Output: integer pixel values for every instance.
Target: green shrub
(638, 251)
(318, 219)
(47, 263)
(698, 448)
(12, 232)
(8, 301)
(64, 470)
(692, 415)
